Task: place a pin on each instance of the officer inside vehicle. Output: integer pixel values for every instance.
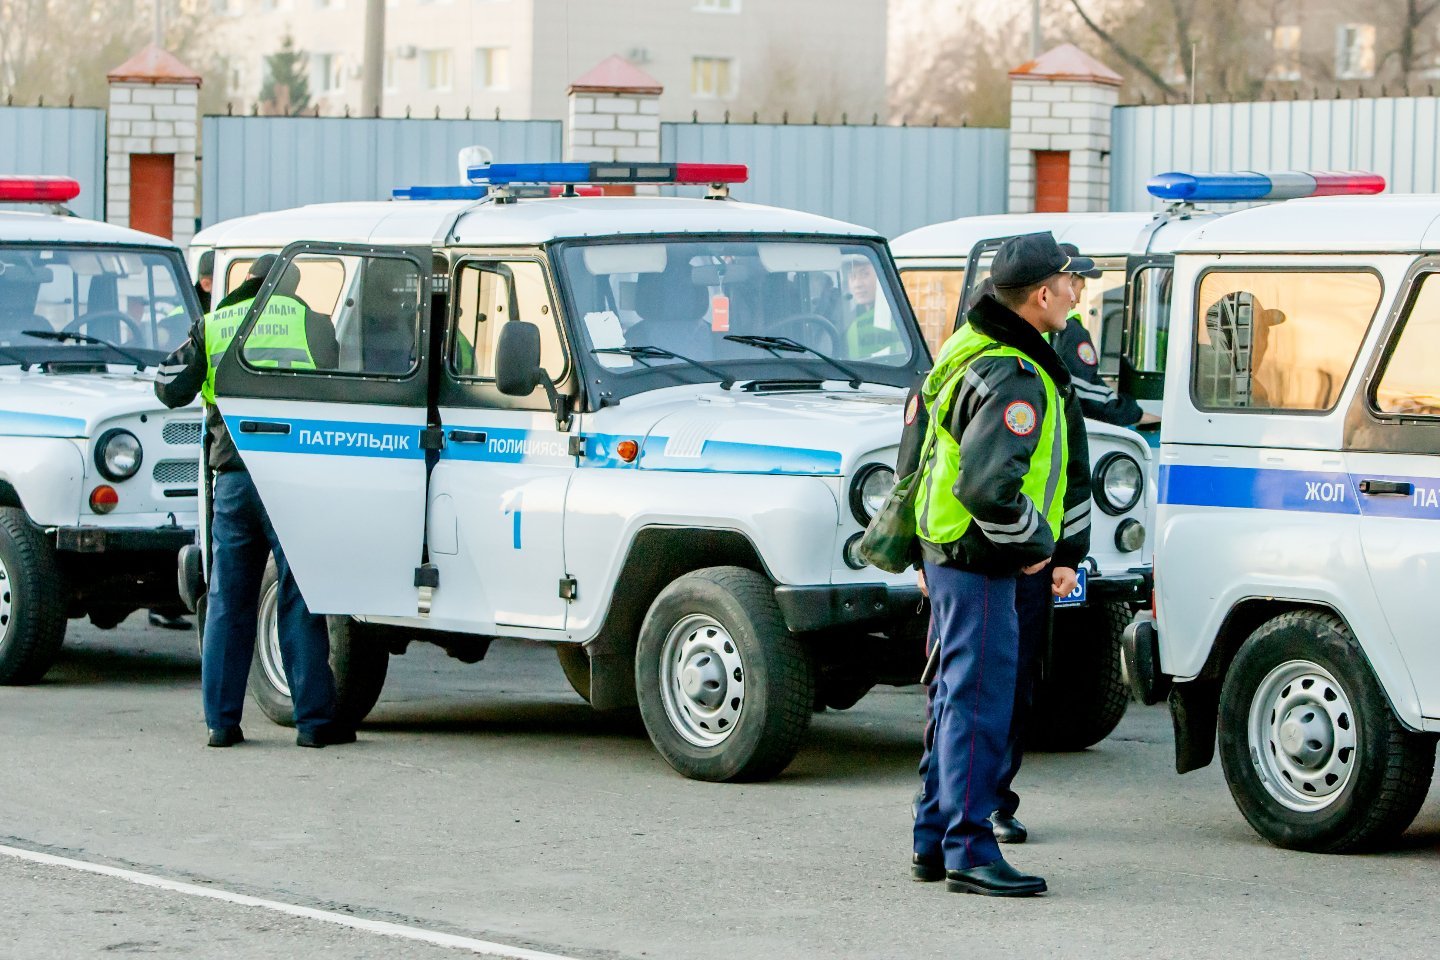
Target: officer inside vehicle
(242, 538)
(870, 333)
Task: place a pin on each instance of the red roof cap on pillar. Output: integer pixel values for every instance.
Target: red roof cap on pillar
(1067, 62)
(154, 65)
(617, 75)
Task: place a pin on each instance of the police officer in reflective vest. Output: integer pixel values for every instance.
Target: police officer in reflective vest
(287, 334)
(990, 508)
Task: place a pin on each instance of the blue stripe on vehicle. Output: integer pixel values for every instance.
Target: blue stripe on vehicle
(14, 423)
(1304, 491)
(336, 438)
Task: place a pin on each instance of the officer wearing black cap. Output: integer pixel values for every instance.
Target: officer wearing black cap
(1098, 399)
(240, 533)
(997, 403)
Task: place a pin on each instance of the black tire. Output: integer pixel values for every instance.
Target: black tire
(358, 658)
(32, 601)
(575, 662)
(202, 604)
(774, 675)
(1081, 696)
(1378, 790)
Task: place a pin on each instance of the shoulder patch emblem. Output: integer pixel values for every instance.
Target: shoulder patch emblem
(1086, 353)
(1020, 418)
(912, 409)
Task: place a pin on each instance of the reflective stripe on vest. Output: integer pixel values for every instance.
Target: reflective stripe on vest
(940, 517)
(277, 339)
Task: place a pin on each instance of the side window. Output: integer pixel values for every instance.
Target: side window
(1409, 384)
(490, 295)
(1274, 340)
(235, 273)
(935, 296)
(340, 314)
(1147, 325)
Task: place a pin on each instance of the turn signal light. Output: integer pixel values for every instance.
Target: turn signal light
(627, 450)
(104, 498)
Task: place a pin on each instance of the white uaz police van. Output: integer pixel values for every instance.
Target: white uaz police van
(648, 430)
(97, 479)
(1298, 538)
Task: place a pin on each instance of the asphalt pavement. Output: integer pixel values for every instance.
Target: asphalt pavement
(487, 801)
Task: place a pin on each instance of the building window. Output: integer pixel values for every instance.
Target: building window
(1285, 53)
(1355, 51)
(327, 73)
(435, 70)
(717, 6)
(712, 78)
(492, 68)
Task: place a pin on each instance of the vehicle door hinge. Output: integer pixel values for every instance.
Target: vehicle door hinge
(432, 438)
(569, 588)
(577, 446)
(427, 581)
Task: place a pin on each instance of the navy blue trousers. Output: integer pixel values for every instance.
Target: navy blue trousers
(241, 541)
(974, 619)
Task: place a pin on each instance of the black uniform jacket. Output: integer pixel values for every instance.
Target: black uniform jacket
(182, 374)
(1098, 399)
(995, 457)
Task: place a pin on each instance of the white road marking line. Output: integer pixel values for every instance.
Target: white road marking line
(483, 948)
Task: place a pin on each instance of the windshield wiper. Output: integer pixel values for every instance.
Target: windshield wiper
(785, 344)
(62, 335)
(647, 352)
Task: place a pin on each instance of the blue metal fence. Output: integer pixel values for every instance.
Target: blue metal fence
(1393, 136)
(891, 179)
(253, 164)
(59, 141)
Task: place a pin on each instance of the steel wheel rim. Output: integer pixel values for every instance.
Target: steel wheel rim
(7, 601)
(271, 661)
(702, 680)
(1303, 736)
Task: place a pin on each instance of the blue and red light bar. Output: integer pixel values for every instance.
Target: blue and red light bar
(28, 189)
(504, 174)
(478, 191)
(1247, 186)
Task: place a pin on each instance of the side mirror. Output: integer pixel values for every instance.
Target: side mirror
(517, 359)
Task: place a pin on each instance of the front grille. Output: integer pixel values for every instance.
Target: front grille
(181, 432)
(177, 471)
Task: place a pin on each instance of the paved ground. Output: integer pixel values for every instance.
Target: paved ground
(488, 801)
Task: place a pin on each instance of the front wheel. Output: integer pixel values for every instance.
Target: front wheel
(726, 691)
(1314, 756)
(32, 601)
(1082, 695)
(358, 660)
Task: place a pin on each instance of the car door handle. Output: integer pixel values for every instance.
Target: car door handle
(263, 426)
(1384, 488)
(468, 436)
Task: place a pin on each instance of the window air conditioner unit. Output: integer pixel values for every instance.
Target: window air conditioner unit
(406, 52)
(638, 55)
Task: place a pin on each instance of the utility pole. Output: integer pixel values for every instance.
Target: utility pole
(1036, 40)
(373, 67)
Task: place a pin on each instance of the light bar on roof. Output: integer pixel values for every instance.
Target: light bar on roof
(442, 192)
(26, 189)
(503, 174)
(1246, 186)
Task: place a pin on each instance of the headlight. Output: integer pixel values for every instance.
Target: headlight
(1119, 483)
(118, 455)
(869, 489)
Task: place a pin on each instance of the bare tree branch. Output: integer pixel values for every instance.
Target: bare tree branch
(1123, 52)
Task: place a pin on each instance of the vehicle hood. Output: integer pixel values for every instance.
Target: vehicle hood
(35, 404)
(805, 433)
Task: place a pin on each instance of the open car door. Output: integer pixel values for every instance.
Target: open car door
(333, 429)
(977, 271)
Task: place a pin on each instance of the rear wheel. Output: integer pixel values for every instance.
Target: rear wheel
(357, 658)
(726, 691)
(1082, 696)
(1314, 756)
(32, 601)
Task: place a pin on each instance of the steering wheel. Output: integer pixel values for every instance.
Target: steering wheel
(803, 324)
(136, 333)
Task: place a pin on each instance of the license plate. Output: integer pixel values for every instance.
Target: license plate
(1076, 597)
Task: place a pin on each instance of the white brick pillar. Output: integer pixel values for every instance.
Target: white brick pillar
(614, 115)
(154, 112)
(1061, 106)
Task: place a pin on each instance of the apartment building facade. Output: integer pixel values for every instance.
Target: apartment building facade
(518, 57)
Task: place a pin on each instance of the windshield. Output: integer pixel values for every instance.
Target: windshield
(130, 298)
(698, 298)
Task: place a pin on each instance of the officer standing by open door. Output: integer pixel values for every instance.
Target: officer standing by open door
(240, 532)
(997, 405)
